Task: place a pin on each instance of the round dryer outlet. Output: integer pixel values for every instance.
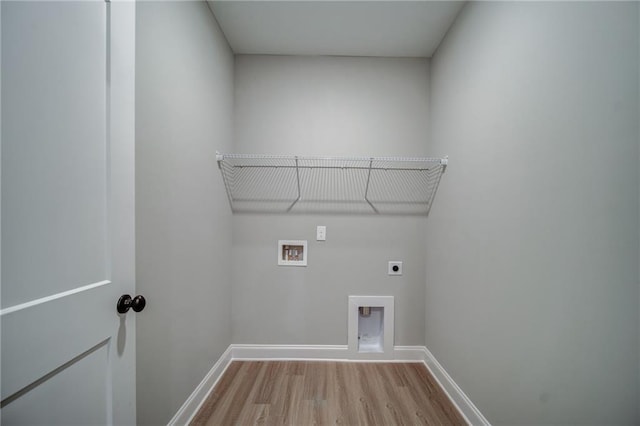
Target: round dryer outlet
(395, 267)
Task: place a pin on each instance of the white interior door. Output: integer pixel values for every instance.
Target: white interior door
(67, 212)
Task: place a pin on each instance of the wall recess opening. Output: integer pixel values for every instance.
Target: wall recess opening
(370, 333)
(370, 329)
(292, 252)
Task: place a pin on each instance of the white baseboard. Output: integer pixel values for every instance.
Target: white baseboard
(408, 353)
(328, 353)
(453, 391)
(319, 352)
(191, 406)
(289, 352)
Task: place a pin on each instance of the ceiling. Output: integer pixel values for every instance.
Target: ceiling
(342, 28)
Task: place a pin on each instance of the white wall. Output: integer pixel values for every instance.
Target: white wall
(184, 94)
(532, 242)
(327, 106)
(331, 105)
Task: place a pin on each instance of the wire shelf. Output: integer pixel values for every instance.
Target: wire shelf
(300, 184)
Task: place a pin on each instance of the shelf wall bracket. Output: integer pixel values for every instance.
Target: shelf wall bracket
(298, 181)
(226, 180)
(366, 191)
(444, 162)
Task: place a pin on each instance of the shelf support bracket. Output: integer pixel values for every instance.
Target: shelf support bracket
(366, 191)
(444, 162)
(225, 179)
(298, 180)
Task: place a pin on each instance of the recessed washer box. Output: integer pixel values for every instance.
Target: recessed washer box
(292, 252)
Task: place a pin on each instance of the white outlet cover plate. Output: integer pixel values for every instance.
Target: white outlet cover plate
(393, 263)
(321, 233)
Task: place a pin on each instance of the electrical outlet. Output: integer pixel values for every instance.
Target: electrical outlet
(321, 233)
(395, 267)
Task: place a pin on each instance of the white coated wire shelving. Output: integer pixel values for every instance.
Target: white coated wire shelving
(303, 184)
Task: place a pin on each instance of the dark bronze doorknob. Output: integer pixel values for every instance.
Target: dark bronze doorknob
(126, 302)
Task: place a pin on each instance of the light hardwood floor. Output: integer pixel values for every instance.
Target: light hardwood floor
(322, 393)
